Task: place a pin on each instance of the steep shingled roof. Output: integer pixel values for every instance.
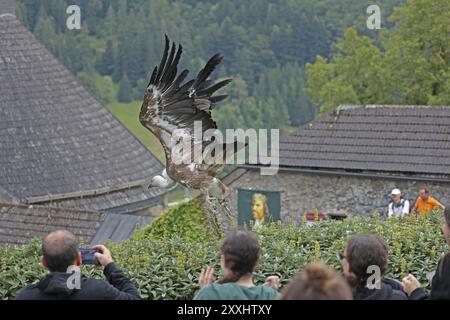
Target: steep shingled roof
(56, 140)
(20, 223)
(402, 139)
(7, 7)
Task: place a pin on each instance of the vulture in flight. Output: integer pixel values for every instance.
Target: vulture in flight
(170, 110)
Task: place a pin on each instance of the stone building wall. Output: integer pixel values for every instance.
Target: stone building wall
(305, 192)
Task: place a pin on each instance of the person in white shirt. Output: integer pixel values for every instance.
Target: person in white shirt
(399, 207)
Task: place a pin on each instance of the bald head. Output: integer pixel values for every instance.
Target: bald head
(60, 249)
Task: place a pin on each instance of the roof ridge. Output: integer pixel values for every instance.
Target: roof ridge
(7, 15)
(7, 7)
(28, 206)
(87, 193)
(343, 107)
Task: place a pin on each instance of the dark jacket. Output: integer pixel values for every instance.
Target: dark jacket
(389, 290)
(440, 284)
(54, 287)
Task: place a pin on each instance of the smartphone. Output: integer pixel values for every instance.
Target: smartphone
(88, 257)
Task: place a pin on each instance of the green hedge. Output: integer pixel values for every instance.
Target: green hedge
(167, 267)
(186, 220)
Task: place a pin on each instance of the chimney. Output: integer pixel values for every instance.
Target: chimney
(7, 7)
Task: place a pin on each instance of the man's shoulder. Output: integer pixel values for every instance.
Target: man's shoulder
(91, 288)
(30, 292)
(94, 282)
(432, 200)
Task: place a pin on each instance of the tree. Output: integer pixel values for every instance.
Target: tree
(45, 31)
(265, 46)
(418, 52)
(412, 67)
(125, 90)
(101, 86)
(105, 65)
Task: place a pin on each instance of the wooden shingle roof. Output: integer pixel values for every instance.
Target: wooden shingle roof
(7, 7)
(401, 139)
(56, 140)
(20, 223)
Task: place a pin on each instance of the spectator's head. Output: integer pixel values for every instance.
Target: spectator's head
(317, 282)
(60, 250)
(424, 193)
(396, 195)
(239, 256)
(362, 252)
(446, 224)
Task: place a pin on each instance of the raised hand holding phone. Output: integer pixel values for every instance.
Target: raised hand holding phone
(103, 255)
(88, 257)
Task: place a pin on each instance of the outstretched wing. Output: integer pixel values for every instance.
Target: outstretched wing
(170, 105)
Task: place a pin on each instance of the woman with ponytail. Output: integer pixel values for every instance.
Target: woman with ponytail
(240, 254)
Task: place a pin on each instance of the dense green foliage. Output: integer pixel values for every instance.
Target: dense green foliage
(266, 44)
(411, 66)
(168, 267)
(187, 221)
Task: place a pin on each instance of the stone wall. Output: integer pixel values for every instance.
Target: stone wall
(304, 192)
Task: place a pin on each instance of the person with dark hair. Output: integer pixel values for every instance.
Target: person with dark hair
(240, 254)
(440, 283)
(425, 203)
(365, 262)
(317, 282)
(62, 257)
